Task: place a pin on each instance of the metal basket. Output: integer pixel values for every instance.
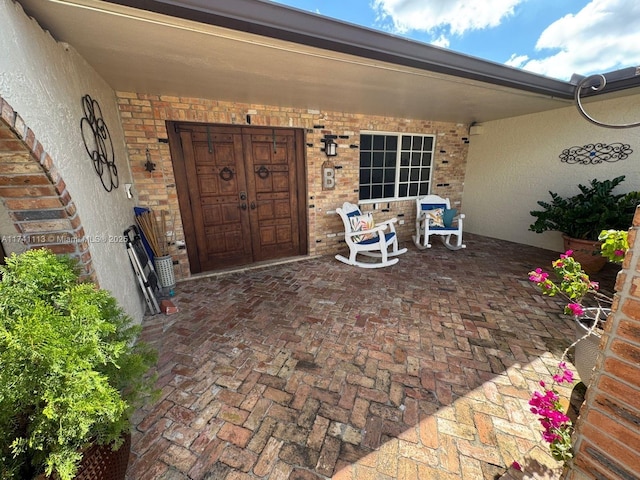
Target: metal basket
(100, 462)
(164, 270)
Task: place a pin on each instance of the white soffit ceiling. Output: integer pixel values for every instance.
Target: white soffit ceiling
(144, 52)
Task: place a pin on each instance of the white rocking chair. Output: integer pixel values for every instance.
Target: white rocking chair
(365, 238)
(434, 216)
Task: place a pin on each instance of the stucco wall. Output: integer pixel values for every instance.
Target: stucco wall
(44, 82)
(515, 162)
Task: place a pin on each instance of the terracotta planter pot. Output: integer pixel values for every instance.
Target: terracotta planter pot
(583, 252)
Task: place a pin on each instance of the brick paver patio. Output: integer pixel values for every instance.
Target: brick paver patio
(313, 370)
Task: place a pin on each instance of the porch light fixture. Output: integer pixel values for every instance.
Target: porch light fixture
(149, 166)
(330, 147)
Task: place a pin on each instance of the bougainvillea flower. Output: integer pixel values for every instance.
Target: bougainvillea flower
(566, 375)
(576, 309)
(538, 275)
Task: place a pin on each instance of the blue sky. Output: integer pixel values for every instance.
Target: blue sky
(555, 38)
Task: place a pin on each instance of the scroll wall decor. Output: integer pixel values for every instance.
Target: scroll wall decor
(596, 83)
(596, 153)
(97, 142)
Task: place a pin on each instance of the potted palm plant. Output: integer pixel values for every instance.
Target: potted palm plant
(581, 217)
(71, 373)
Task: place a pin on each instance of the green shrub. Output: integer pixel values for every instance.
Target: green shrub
(70, 372)
(586, 214)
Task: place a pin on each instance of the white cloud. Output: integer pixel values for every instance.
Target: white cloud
(441, 41)
(603, 36)
(438, 16)
(517, 61)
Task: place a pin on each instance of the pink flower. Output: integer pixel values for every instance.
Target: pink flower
(538, 275)
(555, 423)
(576, 309)
(550, 437)
(567, 254)
(516, 466)
(566, 375)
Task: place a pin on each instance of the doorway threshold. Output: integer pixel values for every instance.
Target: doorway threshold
(245, 268)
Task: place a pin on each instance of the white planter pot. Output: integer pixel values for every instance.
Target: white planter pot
(586, 350)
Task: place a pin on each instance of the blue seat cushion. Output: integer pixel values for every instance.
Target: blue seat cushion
(453, 229)
(387, 237)
(432, 206)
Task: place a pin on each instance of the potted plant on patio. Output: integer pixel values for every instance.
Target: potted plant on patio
(71, 374)
(581, 217)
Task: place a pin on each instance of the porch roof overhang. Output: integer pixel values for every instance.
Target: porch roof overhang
(257, 52)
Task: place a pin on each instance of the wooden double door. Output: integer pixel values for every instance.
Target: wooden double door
(242, 193)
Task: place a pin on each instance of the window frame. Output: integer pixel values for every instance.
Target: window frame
(399, 166)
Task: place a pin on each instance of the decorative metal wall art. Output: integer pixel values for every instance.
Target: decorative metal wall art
(597, 83)
(596, 153)
(98, 144)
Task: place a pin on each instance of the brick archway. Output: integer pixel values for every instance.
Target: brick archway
(35, 195)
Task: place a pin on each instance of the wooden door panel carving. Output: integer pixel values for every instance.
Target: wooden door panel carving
(211, 214)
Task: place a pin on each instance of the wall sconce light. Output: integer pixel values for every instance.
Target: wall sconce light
(330, 147)
(149, 166)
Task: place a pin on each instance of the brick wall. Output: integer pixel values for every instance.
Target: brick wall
(144, 116)
(607, 438)
(35, 195)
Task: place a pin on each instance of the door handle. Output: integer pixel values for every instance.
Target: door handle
(263, 172)
(243, 206)
(243, 195)
(253, 205)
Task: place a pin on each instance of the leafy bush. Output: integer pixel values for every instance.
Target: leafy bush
(586, 214)
(70, 372)
(614, 244)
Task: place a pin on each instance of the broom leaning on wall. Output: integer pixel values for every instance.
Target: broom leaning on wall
(156, 234)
